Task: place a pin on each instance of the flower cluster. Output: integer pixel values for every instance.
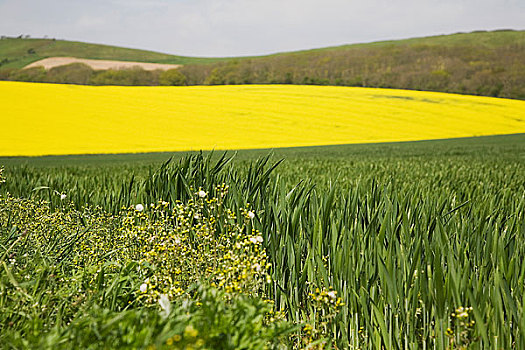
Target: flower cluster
(325, 306)
(176, 245)
(194, 241)
(189, 339)
(461, 330)
(2, 178)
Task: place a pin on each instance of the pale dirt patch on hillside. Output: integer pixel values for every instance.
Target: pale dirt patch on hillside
(52, 62)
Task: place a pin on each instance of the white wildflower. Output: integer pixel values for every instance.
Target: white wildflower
(143, 287)
(256, 267)
(165, 305)
(202, 194)
(139, 207)
(256, 239)
(63, 196)
(251, 214)
(332, 294)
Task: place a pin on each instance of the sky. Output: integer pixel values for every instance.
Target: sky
(216, 28)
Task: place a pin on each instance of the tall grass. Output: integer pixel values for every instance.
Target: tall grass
(424, 250)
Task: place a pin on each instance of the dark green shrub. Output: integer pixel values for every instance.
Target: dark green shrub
(74, 73)
(36, 74)
(172, 77)
(126, 77)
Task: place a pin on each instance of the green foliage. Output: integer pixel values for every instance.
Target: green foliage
(215, 78)
(74, 73)
(489, 63)
(36, 74)
(16, 50)
(481, 63)
(213, 322)
(127, 77)
(172, 77)
(91, 280)
(420, 241)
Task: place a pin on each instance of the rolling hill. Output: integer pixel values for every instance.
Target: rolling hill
(19, 52)
(479, 63)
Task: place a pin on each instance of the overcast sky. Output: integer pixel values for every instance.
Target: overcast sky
(249, 27)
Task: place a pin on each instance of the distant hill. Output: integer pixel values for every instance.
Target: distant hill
(19, 52)
(479, 63)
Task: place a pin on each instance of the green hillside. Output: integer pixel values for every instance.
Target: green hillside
(480, 63)
(19, 52)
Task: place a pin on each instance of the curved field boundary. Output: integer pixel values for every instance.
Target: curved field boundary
(45, 119)
(52, 62)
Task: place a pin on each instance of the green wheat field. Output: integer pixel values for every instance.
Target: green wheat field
(415, 245)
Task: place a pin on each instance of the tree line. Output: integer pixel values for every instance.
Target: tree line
(82, 74)
(466, 69)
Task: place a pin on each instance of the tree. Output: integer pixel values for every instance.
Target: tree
(172, 77)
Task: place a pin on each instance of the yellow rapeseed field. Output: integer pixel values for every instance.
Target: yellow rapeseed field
(41, 119)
